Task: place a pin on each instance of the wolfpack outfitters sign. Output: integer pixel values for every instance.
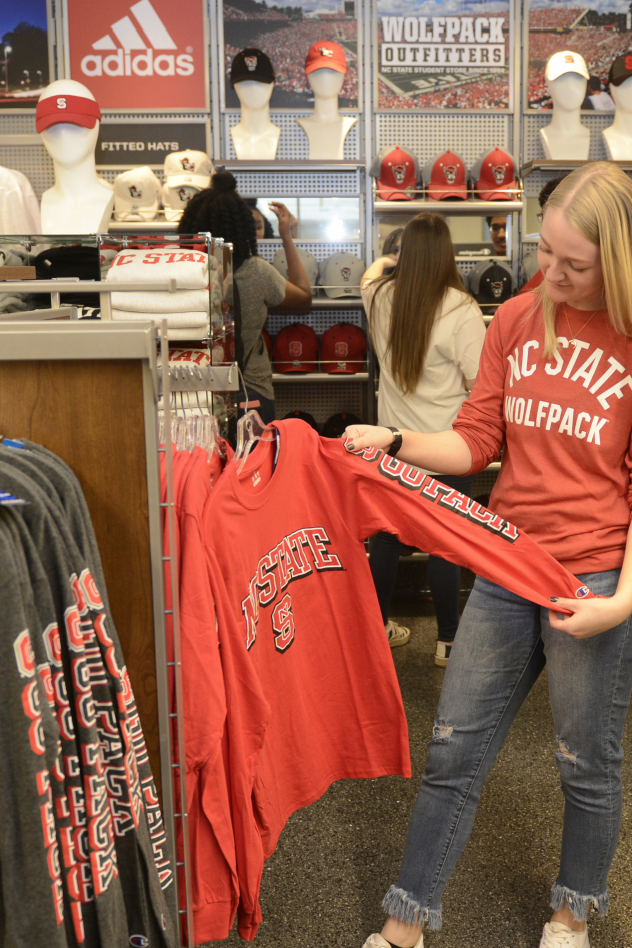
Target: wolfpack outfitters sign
(446, 55)
(148, 55)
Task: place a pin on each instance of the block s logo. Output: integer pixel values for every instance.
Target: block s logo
(61, 102)
(283, 624)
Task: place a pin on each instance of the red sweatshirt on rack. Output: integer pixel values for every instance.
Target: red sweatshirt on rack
(300, 601)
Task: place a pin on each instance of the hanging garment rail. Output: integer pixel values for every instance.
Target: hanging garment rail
(89, 391)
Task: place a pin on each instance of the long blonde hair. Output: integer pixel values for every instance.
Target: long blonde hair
(597, 201)
(424, 272)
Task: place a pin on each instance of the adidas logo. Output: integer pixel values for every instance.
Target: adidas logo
(154, 37)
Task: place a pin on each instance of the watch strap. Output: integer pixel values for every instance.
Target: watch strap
(397, 441)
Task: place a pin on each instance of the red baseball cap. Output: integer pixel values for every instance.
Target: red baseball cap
(295, 349)
(342, 349)
(71, 109)
(267, 338)
(397, 172)
(494, 176)
(446, 177)
(325, 55)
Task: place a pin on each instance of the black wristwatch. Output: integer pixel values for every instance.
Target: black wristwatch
(397, 441)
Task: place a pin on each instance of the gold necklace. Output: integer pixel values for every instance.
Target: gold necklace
(573, 336)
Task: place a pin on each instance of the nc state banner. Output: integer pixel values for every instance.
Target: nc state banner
(144, 55)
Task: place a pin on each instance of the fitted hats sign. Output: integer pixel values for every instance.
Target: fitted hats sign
(139, 56)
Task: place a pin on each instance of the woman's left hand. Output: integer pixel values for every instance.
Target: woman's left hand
(590, 616)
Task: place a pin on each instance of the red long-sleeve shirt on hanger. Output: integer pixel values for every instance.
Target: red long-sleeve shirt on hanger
(287, 541)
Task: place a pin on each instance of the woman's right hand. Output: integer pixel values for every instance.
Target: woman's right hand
(369, 436)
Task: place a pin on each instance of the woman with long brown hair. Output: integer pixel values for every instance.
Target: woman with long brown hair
(427, 333)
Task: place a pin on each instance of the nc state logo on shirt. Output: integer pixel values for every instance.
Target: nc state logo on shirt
(326, 52)
(251, 63)
(450, 173)
(187, 164)
(134, 192)
(399, 173)
(296, 348)
(341, 349)
(499, 172)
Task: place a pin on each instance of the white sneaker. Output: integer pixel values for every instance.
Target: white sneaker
(396, 634)
(376, 941)
(442, 653)
(557, 935)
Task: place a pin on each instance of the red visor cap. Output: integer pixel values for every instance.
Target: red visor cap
(71, 109)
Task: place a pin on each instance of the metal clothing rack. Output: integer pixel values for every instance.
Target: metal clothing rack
(89, 391)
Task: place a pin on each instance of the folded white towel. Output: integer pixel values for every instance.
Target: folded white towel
(190, 301)
(186, 334)
(189, 267)
(174, 320)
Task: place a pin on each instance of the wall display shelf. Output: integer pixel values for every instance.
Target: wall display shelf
(551, 165)
(471, 206)
(160, 225)
(318, 378)
(233, 164)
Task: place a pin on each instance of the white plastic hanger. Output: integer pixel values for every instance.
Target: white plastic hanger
(250, 429)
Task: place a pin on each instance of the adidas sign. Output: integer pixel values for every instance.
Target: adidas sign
(141, 52)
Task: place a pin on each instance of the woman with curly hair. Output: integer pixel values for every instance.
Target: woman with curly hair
(220, 211)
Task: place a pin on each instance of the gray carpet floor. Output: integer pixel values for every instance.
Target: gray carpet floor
(323, 886)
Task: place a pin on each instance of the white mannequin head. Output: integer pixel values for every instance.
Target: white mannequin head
(252, 94)
(622, 95)
(567, 91)
(325, 82)
(69, 145)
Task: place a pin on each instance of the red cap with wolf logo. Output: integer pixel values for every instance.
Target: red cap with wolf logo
(446, 177)
(397, 173)
(326, 55)
(494, 176)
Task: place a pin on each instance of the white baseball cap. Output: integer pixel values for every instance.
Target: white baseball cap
(190, 168)
(341, 275)
(175, 200)
(561, 63)
(309, 264)
(136, 195)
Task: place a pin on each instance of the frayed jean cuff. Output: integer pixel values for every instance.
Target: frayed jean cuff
(401, 905)
(580, 905)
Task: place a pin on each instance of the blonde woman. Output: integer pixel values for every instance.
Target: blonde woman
(555, 390)
(427, 333)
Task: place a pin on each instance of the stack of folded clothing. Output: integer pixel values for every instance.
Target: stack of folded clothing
(186, 310)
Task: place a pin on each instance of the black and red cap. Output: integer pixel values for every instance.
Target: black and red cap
(621, 69)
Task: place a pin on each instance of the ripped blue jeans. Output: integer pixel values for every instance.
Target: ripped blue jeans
(502, 646)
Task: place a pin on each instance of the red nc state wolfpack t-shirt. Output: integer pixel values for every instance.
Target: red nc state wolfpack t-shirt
(566, 424)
